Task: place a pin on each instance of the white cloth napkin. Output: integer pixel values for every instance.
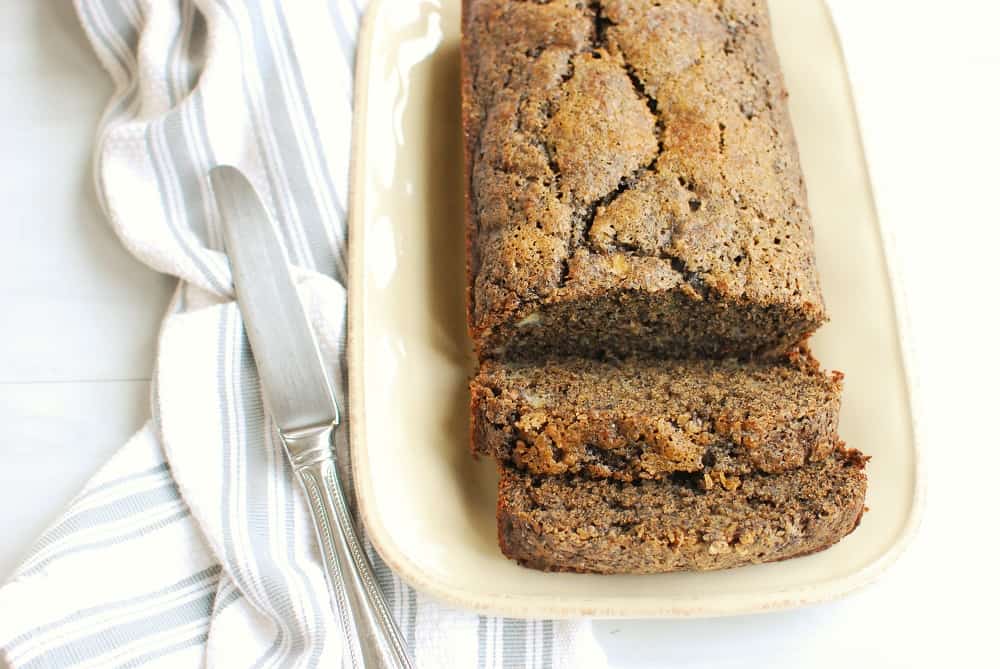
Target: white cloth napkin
(192, 546)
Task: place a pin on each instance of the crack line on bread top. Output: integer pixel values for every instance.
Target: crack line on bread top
(589, 211)
(545, 144)
(601, 25)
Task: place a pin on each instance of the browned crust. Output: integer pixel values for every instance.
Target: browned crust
(467, 148)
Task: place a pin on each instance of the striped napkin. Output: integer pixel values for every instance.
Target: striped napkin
(192, 547)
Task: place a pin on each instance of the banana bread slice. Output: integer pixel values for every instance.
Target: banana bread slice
(566, 523)
(644, 418)
(633, 181)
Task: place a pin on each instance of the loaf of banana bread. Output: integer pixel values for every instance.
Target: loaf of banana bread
(565, 523)
(633, 183)
(643, 418)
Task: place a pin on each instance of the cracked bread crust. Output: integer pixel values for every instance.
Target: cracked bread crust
(645, 419)
(610, 527)
(633, 181)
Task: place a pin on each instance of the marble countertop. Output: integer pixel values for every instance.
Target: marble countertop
(78, 322)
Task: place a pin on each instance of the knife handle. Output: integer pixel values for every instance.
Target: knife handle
(371, 637)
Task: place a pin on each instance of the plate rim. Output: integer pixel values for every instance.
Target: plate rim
(561, 608)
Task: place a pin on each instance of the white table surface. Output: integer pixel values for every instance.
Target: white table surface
(78, 320)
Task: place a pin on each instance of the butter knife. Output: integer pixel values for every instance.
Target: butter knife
(302, 403)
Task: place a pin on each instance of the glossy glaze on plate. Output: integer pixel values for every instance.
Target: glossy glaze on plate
(428, 506)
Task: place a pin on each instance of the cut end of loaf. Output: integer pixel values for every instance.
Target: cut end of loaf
(673, 323)
(646, 418)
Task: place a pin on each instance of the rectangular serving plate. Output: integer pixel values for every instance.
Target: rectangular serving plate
(428, 506)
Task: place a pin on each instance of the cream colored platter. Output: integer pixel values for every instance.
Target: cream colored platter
(428, 506)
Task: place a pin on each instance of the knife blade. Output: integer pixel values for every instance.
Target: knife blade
(300, 399)
(295, 386)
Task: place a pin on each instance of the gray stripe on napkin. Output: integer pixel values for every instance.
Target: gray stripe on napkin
(345, 40)
(260, 504)
(210, 575)
(123, 36)
(230, 464)
(291, 153)
(120, 509)
(278, 199)
(224, 600)
(481, 643)
(513, 642)
(189, 172)
(110, 639)
(547, 643)
(213, 232)
(160, 471)
(197, 640)
(411, 618)
(112, 541)
(182, 235)
(126, 97)
(233, 458)
(338, 267)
